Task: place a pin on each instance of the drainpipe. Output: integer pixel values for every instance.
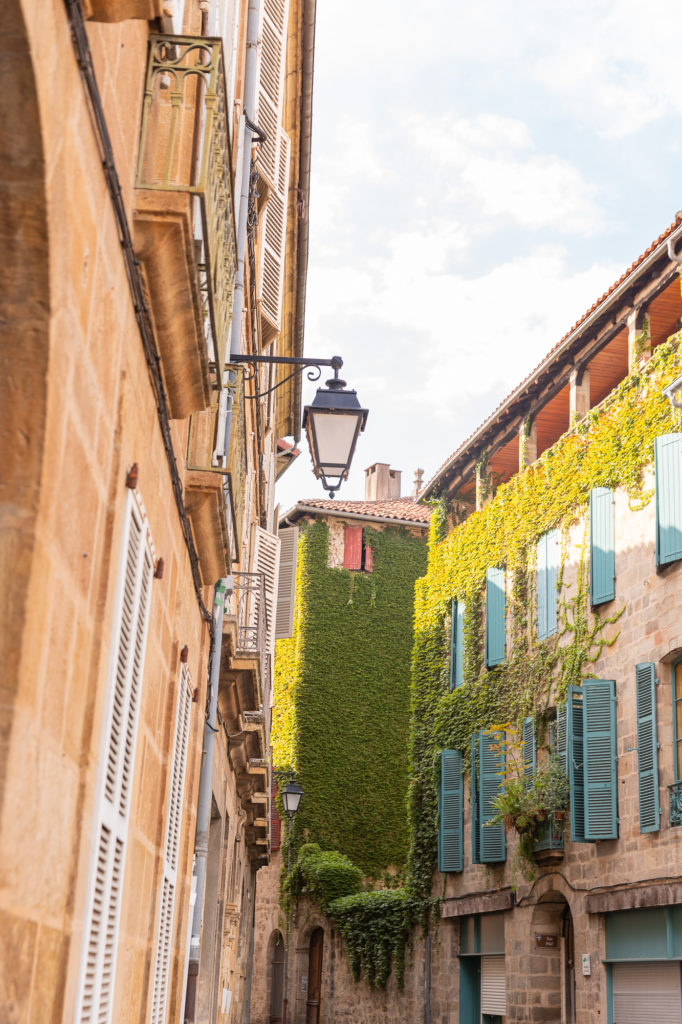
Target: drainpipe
(427, 977)
(245, 145)
(205, 793)
(249, 971)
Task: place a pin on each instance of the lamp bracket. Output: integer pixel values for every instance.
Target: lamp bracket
(300, 363)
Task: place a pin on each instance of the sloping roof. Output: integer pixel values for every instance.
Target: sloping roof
(404, 510)
(568, 337)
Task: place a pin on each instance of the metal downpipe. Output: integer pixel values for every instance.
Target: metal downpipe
(205, 794)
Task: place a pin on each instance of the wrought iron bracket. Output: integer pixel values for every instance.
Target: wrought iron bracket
(300, 363)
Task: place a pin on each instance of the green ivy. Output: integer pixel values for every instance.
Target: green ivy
(323, 875)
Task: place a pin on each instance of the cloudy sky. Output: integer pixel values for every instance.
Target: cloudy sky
(482, 172)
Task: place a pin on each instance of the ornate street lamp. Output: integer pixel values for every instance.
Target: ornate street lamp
(333, 422)
(291, 798)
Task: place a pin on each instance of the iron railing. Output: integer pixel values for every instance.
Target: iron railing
(185, 147)
(675, 792)
(249, 588)
(549, 835)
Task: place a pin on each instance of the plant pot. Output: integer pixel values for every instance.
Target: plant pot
(559, 815)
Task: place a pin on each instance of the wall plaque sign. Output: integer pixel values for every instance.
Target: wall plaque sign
(546, 941)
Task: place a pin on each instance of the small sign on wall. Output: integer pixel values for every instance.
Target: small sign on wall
(545, 941)
(587, 964)
(304, 983)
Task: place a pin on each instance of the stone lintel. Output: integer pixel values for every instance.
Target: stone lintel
(662, 894)
(485, 904)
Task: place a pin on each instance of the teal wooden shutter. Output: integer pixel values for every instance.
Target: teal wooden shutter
(668, 458)
(575, 761)
(599, 735)
(560, 742)
(495, 618)
(529, 751)
(602, 551)
(457, 645)
(491, 766)
(647, 748)
(451, 801)
(475, 817)
(547, 575)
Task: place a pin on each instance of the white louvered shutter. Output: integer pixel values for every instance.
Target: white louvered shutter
(114, 785)
(286, 589)
(645, 992)
(266, 560)
(171, 846)
(493, 985)
(273, 159)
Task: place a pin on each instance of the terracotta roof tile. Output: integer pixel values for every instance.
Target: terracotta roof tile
(633, 266)
(405, 509)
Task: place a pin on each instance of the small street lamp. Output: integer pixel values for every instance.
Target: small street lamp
(291, 798)
(333, 424)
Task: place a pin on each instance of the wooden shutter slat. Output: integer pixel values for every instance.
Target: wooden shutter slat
(450, 853)
(668, 463)
(352, 554)
(529, 750)
(495, 625)
(575, 761)
(286, 589)
(475, 814)
(547, 576)
(599, 734)
(491, 766)
(266, 560)
(541, 577)
(647, 748)
(602, 546)
(457, 645)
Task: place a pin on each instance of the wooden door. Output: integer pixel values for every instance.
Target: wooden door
(314, 977)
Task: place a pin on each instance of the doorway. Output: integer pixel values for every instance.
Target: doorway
(314, 999)
(276, 977)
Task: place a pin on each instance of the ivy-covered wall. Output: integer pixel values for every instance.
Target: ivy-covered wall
(610, 447)
(341, 714)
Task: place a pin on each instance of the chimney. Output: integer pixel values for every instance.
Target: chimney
(418, 482)
(381, 482)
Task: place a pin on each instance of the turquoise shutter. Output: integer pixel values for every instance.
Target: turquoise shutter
(529, 751)
(542, 586)
(602, 551)
(599, 735)
(560, 747)
(647, 748)
(494, 618)
(575, 762)
(475, 817)
(457, 645)
(491, 766)
(451, 812)
(668, 458)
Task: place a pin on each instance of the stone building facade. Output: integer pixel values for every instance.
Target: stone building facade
(137, 472)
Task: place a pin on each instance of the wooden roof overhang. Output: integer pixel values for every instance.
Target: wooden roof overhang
(646, 289)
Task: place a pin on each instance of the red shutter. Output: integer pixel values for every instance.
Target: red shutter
(275, 821)
(369, 559)
(352, 558)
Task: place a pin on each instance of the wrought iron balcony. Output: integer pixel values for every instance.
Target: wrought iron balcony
(185, 147)
(549, 836)
(249, 588)
(675, 792)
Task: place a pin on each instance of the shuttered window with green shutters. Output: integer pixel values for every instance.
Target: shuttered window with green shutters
(451, 812)
(668, 459)
(491, 761)
(570, 725)
(602, 550)
(647, 748)
(457, 645)
(495, 625)
(547, 575)
(529, 751)
(599, 737)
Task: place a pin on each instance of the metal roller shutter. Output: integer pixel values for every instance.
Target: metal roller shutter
(493, 985)
(646, 992)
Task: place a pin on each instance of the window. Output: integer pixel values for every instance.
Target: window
(602, 546)
(483, 995)
(357, 553)
(547, 575)
(587, 739)
(171, 846)
(668, 461)
(450, 812)
(487, 780)
(495, 618)
(117, 758)
(457, 645)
